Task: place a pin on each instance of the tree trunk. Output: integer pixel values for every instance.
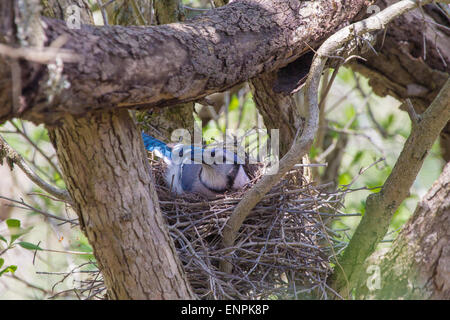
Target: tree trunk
(418, 264)
(108, 176)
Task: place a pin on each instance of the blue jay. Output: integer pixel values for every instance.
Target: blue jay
(188, 170)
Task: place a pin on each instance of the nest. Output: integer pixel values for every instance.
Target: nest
(282, 250)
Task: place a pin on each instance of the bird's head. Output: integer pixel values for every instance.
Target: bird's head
(222, 170)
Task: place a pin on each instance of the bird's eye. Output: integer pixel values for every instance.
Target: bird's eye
(213, 153)
(181, 153)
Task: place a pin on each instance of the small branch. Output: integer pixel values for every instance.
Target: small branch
(151, 12)
(415, 118)
(138, 13)
(107, 3)
(103, 11)
(69, 252)
(28, 284)
(13, 157)
(361, 172)
(25, 135)
(26, 206)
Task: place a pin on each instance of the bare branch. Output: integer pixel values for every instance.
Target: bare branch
(23, 205)
(13, 157)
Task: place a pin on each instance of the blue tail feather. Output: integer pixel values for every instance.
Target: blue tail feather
(153, 144)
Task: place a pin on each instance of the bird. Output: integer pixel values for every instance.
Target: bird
(192, 169)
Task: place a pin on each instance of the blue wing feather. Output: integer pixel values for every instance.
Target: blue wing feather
(153, 144)
(164, 151)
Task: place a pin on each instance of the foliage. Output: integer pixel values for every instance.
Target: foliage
(15, 232)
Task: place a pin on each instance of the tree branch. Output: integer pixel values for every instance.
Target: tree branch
(419, 253)
(303, 142)
(381, 206)
(12, 157)
(151, 67)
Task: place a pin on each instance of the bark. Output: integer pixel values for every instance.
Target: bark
(418, 264)
(108, 176)
(167, 11)
(143, 67)
(412, 60)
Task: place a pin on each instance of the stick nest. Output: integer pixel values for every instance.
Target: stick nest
(282, 249)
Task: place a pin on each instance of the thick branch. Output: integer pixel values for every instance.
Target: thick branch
(143, 67)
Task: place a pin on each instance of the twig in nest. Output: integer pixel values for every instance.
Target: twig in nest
(281, 239)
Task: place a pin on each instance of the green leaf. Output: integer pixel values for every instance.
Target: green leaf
(29, 246)
(2, 261)
(13, 223)
(349, 112)
(234, 103)
(357, 157)
(14, 237)
(313, 152)
(345, 178)
(11, 269)
(3, 239)
(17, 233)
(389, 121)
